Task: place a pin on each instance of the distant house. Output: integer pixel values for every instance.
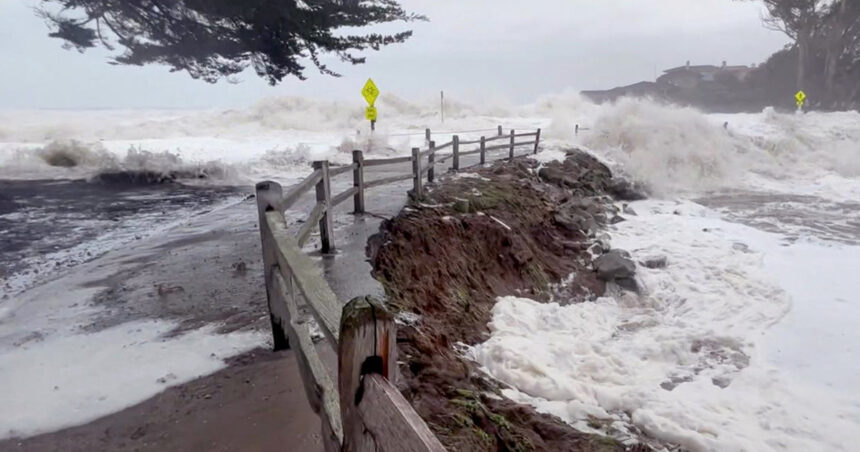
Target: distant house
(688, 84)
(640, 89)
(688, 76)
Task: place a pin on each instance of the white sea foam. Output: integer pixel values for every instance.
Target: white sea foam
(699, 330)
(58, 373)
(72, 379)
(680, 150)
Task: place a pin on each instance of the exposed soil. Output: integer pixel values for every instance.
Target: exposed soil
(512, 231)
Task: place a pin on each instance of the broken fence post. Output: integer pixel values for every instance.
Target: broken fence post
(483, 150)
(324, 196)
(431, 162)
(417, 186)
(456, 146)
(358, 181)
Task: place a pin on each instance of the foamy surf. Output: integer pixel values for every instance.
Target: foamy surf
(697, 360)
(717, 354)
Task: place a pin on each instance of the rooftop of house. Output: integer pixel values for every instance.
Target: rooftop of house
(705, 68)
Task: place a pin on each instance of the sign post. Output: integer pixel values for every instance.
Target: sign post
(370, 93)
(800, 97)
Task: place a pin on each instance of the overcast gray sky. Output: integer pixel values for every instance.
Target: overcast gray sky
(473, 49)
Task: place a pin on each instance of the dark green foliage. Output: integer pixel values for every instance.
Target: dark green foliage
(824, 59)
(215, 39)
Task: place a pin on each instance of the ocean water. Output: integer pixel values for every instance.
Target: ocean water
(744, 342)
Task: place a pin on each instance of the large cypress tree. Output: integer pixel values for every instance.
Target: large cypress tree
(215, 39)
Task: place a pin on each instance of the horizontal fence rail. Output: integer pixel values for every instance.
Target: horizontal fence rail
(361, 409)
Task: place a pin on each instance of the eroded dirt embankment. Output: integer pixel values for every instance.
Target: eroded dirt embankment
(509, 229)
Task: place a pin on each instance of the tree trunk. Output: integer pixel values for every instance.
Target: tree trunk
(834, 47)
(804, 41)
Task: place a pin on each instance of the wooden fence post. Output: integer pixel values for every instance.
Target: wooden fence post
(269, 195)
(537, 141)
(417, 186)
(431, 162)
(456, 146)
(483, 150)
(426, 135)
(358, 180)
(324, 197)
(366, 346)
(513, 137)
(500, 130)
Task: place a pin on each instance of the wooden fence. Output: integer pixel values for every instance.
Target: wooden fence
(364, 411)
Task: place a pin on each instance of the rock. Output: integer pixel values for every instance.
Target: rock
(721, 381)
(572, 245)
(629, 210)
(742, 247)
(628, 284)
(614, 265)
(571, 222)
(655, 262)
(625, 190)
(555, 175)
(591, 226)
(616, 219)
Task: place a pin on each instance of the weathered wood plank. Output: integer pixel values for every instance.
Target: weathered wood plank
(530, 134)
(308, 277)
(309, 224)
(497, 147)
(483, 150)
(321, 391)
(324, 197)
(455, 165)
(344, 196)
(358, 181)
(431, 162)
(495, 138)
(332, 172)
(391, 161)
(537, 141)
(299, 189)
(366, 345)
(392, 421)
(445, 145)
(464, 143)
(387, 180)
(417, 184)
(476, 151)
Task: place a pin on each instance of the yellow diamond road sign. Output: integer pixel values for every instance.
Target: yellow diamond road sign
(370, 113)
(800, 96)
(370, 92)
